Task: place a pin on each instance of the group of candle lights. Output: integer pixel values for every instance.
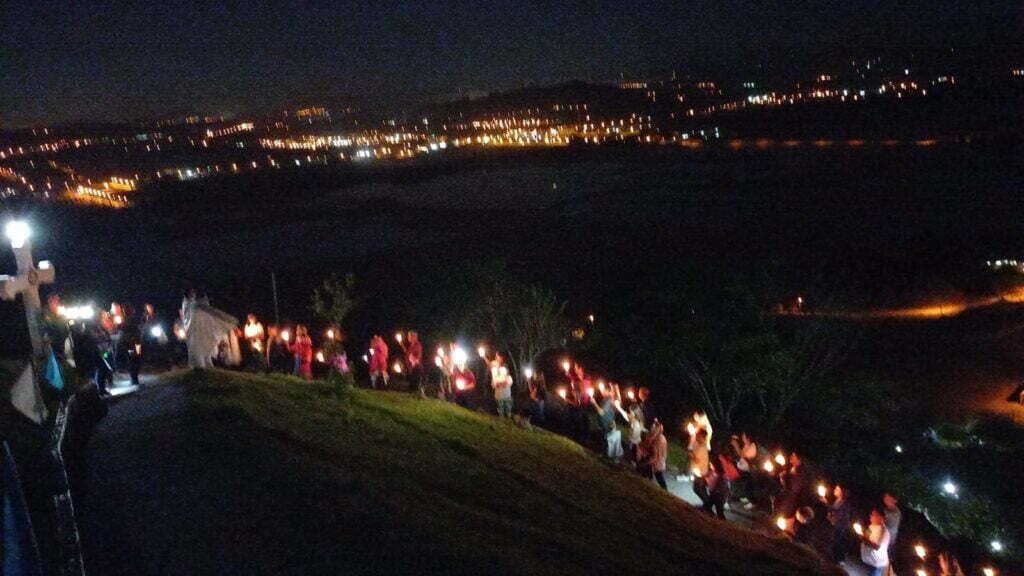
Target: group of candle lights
(786, 524)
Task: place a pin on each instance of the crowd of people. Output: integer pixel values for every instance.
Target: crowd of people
(732, 473)
(100, 344)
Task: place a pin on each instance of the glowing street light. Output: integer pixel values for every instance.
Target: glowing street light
(950, 488)
(18, 233)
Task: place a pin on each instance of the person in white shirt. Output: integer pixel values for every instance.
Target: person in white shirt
(874, 544)
(635, 418)
(501, 381)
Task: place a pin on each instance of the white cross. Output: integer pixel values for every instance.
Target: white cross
(27, 284)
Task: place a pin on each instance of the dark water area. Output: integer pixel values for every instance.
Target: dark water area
(881, 225)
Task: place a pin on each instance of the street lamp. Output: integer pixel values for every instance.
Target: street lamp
(18, 232)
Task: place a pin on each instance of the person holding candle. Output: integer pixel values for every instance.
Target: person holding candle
(302, 349)
(795, 483)
(700, 460)
(378, 361)
(746, 462)
(635, 419)
(501, 382)
(538, 394)
(717, 489)
(839, 515)
(647, 410)
(700, 422)
(893, 517)
(465, 382)
(278, 356)
(414, 360)
(874, 545)
(656, 454)
(606, 420)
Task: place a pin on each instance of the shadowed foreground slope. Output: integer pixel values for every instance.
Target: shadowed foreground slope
(217, 472)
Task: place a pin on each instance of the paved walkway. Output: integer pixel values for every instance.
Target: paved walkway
(682, 487)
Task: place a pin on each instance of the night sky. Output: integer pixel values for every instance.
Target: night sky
(115, 60)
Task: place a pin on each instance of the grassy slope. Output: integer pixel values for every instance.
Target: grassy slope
(494, 495)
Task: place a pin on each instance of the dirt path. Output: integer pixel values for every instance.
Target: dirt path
(169, 493)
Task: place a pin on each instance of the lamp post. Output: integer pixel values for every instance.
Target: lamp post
(27, 280)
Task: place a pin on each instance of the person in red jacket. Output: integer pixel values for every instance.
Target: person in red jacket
(378, 361)
(465, 382)
(302, 349)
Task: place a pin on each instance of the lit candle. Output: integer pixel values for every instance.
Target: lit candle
(600, 385)
(398, 337)
(988, 571)
(528, 372)
(822, 490)
(566, 366)
(330, 333)
(397, 367)
(858, 528)
(781, 523)
(460, 383)
(921, 551)
(563, 393)
(780, 459)
(320, 356)
(481, 351)
(440, 351)
(921, 572)
(768, 466)
(286, 335)
(691, 428)
(630, 394)
(590, 391)
(438, 361)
